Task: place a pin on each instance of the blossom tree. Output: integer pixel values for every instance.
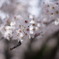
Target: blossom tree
(36, 20)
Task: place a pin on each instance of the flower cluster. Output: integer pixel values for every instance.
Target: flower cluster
(19, 28)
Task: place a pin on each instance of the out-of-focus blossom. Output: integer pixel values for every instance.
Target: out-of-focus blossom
(56, 22)
(20, 27)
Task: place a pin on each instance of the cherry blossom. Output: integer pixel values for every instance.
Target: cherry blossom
(20, 28)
